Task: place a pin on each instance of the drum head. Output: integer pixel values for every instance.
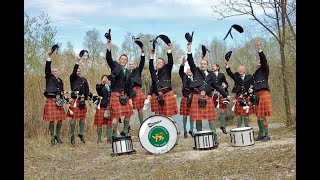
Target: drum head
(241, 129)
(158, 134)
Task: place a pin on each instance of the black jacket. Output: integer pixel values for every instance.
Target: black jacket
(202, 82)
(53, 84)
(104, 93)
(240, 86)
(79, 83)
(119, 82)
(162, 77)
(135, 75)
(260, 77)
(221, 78)
(186, 81)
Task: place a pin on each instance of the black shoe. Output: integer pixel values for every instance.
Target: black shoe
(81, 138)
(109, 141)
(265, 139)
(191, 133)
(53, 142)
(216, 140)
(123, 134)
(57, 138)
(185, 134)
(258, 138)
(120, 121)
(223, 129)
(72, 140)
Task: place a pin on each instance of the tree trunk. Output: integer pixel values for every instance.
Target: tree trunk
(289, 121)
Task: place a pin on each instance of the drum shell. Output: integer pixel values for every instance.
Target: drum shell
(242, 136)
(204, 140)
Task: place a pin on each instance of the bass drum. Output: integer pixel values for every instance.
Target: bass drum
(158, 134)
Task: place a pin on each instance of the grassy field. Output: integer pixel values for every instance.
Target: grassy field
(275, 159)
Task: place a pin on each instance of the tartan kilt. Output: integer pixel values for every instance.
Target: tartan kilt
(170, 107)
(264, 108)
(77, 112)
(154, 104)
(99, 119)
(118, 110)
(138, 99)
(222, 106)
(238, 111)
(184, 109)
(202, 113)
(52, 112)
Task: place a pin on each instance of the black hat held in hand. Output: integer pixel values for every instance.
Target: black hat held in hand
(54, 48)
(189, 37)
(164, 38)
(228, 55)
(137, 41)
(84, 52)
(108, 35)
(204, 50)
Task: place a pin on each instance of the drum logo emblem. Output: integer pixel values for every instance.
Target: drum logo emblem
(158, 136)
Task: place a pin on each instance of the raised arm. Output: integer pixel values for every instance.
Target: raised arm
(228, 70)
(142, 61)
(193, 67)
(151, 66)
(263, 60)
(109, 56)
(170, 57)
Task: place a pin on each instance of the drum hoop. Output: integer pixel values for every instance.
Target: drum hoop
(121, 138)
(232, 130)
(207, 148)
(204, 133)
(153, 116)
(129, 152)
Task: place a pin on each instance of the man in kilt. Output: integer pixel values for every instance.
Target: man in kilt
(52, 112)
(185, 103)
(261, 88)
(221, 80)
(242, 83)
(78, 101)
(203, 85)
(122, 94)
(135, 76)
(161, 77)
(103, 90)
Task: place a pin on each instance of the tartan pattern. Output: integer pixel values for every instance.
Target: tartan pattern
(202, 113)
(99, 119)
(222, 106)
(138, 99)
(184, 109)
(170, 105)
(52, 112)
(238, 111)
(118, 110)
(77, 113)
(264, 108)
(154, 104)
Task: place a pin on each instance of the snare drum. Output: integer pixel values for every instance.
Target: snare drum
(122, 145)
(204, 140)
(158, 134)
(242, 136)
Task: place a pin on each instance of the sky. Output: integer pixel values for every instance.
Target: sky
(73, 18)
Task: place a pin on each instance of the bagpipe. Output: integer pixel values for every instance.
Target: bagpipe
(95, 99)
(251, 97)
(63, 99)
(216, 95)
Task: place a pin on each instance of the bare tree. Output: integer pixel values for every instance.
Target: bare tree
(93, 44)
(275, 19)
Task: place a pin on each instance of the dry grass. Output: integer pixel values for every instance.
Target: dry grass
(264, 160)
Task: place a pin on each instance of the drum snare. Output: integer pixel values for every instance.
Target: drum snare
(204, 140)
(242, 136)
(122, 145)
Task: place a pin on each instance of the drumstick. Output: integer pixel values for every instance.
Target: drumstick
(234, 105)
(75, 102)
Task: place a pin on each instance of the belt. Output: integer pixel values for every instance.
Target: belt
(164, 91)
(197, 91)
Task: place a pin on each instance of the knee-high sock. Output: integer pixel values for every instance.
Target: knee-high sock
(51, 128)
(239, 121)
(72, 127)
(265, 127)
(246, 121)
(261, 129)
(81, 125)
(99, 132)
(58, 128)
(140, 115)
(212, 126)
(222, 118)
(199, 125)
(185, 118)
(191, 125)
(115, 129)
(109, 133)
(125, 126)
